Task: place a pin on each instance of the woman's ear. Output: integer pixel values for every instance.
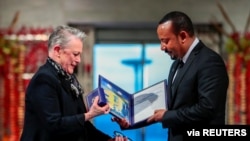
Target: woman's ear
(57, 50)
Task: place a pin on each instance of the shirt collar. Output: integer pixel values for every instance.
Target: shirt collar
(195, 42)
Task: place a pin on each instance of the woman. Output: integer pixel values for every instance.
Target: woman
(54, 107)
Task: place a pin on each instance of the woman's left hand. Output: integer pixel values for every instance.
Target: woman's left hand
(118, 138)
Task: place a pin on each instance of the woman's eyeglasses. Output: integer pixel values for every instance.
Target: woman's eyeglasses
(117, 133)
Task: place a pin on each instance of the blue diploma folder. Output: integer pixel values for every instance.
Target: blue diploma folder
(135, 107)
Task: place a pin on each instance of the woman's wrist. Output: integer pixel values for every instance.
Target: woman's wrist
(88, 116)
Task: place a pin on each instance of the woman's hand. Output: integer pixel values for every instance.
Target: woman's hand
(96, 110)
(118, 138)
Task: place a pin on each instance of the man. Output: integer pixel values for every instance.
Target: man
(197, 87)
(54, 108)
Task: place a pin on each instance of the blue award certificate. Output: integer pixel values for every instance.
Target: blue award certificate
(117, 98)
(136, 107)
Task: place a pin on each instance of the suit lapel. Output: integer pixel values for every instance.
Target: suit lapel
(181, 73)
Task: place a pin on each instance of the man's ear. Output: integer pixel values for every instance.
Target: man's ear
(183, 36)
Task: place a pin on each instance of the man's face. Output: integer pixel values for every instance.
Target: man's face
(70, 56)
(170, 43)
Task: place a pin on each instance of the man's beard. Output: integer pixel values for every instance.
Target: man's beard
(173, 57)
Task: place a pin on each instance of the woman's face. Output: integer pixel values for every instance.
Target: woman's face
(70, 56)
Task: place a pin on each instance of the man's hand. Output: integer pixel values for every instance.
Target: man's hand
(157, 117)
(122, 122)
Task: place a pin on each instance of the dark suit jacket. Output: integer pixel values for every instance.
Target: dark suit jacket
(198, 93)
(53, 113)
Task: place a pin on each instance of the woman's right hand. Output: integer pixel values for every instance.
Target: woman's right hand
(96, 110)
